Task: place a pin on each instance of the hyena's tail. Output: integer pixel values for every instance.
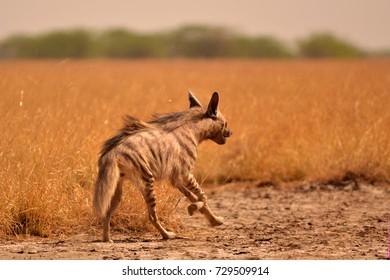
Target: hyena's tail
(106, 183)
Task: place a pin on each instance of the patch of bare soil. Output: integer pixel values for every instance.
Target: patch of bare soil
(261, 222)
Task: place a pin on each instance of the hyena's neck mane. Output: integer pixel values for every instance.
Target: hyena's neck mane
(172, 121)
(168, 122)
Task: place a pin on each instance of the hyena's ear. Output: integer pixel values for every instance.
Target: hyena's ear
(194, 102)
(213, 106)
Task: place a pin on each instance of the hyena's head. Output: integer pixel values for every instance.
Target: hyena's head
(215, 127)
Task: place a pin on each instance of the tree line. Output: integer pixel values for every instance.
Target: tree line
(195, 41)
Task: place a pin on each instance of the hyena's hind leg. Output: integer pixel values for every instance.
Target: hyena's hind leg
(113, 205)
(196, 195)
(150, 199)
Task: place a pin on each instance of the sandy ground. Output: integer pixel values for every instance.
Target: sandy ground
(346, 221)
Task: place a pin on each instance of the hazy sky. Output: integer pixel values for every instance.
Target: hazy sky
(364, 22)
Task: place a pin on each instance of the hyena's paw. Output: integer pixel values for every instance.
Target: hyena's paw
(195, 206)
(169, 235)
(216, 221)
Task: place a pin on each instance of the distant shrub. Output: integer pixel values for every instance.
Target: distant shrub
(265, 46)
(55, 44)
(327, 45)
(120, 43)
(200, 41)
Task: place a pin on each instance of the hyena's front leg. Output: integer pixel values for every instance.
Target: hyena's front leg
(192, 188)
(150, 199)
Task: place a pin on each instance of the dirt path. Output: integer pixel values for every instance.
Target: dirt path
(302, 222)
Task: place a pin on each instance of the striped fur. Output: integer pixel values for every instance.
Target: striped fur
(164, 148)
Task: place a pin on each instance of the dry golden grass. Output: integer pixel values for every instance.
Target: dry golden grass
(292, 120)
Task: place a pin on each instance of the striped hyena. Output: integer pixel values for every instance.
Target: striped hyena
(162, 149)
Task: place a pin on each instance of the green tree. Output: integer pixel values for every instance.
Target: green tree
(55, 44)
(327, 45)
(265, 46)
(16, 46)
(200, 41)
(60, 44)
(118, 43)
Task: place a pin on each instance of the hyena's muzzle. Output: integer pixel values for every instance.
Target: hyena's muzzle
(227, 132)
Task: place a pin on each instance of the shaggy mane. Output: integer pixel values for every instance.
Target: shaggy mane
(171, 121)
(167, 122)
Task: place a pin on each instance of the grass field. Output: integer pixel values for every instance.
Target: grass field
(292, 121)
